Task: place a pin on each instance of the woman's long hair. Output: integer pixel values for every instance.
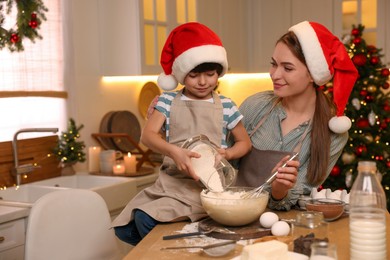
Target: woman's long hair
(320, 132)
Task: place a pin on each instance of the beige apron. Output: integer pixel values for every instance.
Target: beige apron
(175, 196)
(257, 165)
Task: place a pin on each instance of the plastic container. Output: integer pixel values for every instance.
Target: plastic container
(367, 220)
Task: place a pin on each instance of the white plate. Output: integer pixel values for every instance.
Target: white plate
(291, 256)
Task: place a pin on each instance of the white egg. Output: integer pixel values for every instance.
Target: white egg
(267, 219)
(280, 228)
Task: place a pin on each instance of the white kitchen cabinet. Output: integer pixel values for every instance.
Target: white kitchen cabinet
(229, 19)
(13, 236)
(271, 19)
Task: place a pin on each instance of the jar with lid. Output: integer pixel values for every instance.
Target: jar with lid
(367, 219)
(308, 227)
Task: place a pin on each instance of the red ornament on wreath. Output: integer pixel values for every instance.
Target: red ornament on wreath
(386, 85)
(33, 24)
(379, 158)
(335, 171)
(385, 72)
(383, 124)
(360, 150)
(386, 107)
(371, 49)
(14, 38)
(369, 98)
(388, 164)
(359, 59)
(374, 60)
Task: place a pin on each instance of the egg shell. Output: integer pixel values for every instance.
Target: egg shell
(267, 219)
(280, 228)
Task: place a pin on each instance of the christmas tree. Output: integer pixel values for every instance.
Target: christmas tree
(368, 108)
(69, 150)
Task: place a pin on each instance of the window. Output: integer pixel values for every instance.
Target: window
(32, 92)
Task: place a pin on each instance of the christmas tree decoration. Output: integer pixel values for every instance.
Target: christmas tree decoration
(368, 107)
(69, 149)
(29, 16)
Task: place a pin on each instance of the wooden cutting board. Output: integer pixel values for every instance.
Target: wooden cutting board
(250, 231)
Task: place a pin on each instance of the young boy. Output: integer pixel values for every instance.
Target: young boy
(193, 55)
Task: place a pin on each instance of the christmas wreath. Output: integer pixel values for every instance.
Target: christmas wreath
(29, 16)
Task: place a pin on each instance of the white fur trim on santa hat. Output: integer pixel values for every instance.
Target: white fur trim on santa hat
(314, 55)
(339, 124)
(192, 57)
(166, 82)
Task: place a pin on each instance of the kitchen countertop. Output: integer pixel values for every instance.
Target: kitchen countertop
(150, 246)
(9, 213)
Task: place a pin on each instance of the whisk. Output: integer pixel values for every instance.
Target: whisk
(257, 191)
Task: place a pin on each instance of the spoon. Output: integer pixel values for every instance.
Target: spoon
(218, 249)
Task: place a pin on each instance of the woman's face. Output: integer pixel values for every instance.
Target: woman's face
(199, 85)
(289, 75)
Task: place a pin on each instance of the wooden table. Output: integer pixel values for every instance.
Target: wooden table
(149, 247)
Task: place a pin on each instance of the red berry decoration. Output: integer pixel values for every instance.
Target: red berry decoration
(386, 108)
(33, 16)
(362, 123)
(14, 38)
(355, 32)
(369, 98)
(388, 164)
(33, 24)
(374, 60)
(357, 41)
(385, 72)
(386, 85)
(335, 171)
(371, 49)
(363, 93)
(361, 149)
(383, 124)
(359, 59)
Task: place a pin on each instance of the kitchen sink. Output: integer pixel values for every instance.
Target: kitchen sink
(81, 181)
(24, 195)
(116, 191)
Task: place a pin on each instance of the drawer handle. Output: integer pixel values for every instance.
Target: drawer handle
(2, 239)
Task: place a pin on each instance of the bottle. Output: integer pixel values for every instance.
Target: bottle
(367, 218)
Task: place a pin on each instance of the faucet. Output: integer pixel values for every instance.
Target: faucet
(20, 170)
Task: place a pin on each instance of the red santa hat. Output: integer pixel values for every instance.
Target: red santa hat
(188, 46)
(327, 58)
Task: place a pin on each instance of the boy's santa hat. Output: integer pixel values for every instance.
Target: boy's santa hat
(188, 46)
(327, 58)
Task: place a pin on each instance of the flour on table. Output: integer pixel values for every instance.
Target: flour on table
(204, 167)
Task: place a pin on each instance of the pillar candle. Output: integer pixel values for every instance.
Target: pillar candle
(130, 163)
(93, 159)
(118, 168)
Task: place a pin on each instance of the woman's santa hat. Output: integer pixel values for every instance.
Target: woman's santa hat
(327, 58)
(188, 46)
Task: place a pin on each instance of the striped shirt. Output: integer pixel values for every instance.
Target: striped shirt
(269, 137)
(231, 114)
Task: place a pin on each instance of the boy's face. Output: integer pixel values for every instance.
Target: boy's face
(199, 85)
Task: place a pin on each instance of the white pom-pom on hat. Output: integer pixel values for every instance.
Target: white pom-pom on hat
(168, 82)
(327, 58)
(339, 124)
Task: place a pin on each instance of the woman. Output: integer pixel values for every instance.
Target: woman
(297, 116)
(194, 56)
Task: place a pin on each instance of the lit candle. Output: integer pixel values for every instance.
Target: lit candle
(118, 168)
(93, 159)
(130, 163)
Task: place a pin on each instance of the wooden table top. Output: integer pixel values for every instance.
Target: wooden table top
(150, 246)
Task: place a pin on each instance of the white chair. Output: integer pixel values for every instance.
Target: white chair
(70, 224)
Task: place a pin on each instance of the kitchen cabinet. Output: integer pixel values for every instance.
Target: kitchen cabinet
(271, 19)
(229, 19)
(12, 235)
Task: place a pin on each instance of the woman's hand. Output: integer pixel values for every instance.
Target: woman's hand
(285, 179)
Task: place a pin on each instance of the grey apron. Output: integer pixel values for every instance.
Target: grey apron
(257, 165)
(175, 196)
